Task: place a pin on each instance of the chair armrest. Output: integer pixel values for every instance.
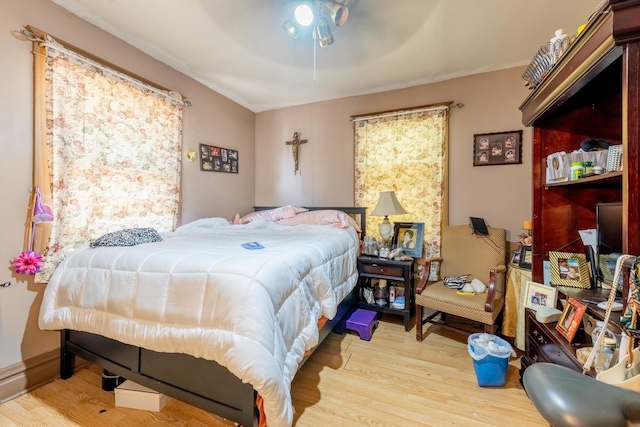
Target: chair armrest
(425, 275)
(491, 289)
(423, 281)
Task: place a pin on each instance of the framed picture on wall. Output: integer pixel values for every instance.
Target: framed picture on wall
(218, 159)
(498, 148)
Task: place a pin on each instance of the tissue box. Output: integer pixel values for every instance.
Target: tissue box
(133, 395)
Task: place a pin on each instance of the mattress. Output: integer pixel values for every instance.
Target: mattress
(200, 292)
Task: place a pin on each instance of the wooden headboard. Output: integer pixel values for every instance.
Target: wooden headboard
(359, 214)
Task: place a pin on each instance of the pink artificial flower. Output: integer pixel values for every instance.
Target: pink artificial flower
(28, 262)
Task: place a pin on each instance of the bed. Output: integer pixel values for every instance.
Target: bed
(186, 316)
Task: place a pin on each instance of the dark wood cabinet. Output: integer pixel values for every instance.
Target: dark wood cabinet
(396, 274)
(592, 92)
(544, 343)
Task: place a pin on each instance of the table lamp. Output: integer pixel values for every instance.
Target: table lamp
(388, 204)
(526, 239)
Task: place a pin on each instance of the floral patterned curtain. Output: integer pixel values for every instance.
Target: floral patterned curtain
(109, 155)
(405, 153)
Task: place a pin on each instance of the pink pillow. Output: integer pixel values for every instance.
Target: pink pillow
(335, 218)
(272, 214)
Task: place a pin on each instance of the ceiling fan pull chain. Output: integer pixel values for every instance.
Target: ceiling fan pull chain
(314, 59)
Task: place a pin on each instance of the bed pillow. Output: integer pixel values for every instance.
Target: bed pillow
(335, 218)
(275, 214)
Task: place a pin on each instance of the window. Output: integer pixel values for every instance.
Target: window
(107, 154)
(404, 152)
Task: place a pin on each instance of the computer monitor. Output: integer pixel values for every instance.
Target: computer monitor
(609, 240)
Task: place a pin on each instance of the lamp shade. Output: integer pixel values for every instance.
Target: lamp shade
(388, 204)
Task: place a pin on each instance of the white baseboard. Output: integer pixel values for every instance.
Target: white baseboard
(28, 375)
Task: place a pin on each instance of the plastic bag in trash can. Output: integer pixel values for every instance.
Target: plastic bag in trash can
(483, 345)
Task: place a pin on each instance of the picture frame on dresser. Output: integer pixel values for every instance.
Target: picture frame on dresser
(526, 258)
(570, 269)
(515, 258)
(537, 295)
(571, 318)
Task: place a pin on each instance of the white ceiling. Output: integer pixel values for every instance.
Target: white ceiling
(238, 47)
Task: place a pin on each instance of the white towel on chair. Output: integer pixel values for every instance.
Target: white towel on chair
(475, 286)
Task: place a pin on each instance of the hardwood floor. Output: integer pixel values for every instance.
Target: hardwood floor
(391, 380)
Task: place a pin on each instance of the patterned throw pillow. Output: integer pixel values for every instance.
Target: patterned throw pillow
(127, 237)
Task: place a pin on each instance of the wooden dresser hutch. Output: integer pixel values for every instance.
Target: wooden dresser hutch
(592, 92)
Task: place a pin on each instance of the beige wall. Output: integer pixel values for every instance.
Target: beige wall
(501, 194)
(212, 119)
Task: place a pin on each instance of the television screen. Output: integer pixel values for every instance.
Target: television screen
(609, 231)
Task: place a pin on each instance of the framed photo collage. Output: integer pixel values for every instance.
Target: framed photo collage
(218, 159)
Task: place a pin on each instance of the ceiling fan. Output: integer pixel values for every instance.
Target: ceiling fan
(317, 15)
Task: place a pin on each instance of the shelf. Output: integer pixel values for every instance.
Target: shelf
(609, 178)
(382, 308)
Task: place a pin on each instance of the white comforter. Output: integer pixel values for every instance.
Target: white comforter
(199, 292)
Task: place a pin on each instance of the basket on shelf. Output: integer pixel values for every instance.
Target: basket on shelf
(544, 60)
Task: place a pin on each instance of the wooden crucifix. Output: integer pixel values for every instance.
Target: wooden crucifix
(295, 143)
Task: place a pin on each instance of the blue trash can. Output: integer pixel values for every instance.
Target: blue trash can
(490, 356)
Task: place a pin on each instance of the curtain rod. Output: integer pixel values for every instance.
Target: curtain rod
(407, 111)
(46, 40)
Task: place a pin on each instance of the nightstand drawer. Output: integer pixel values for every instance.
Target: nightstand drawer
(383, 270)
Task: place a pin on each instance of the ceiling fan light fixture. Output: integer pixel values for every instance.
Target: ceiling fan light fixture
(323, 33)
(290, 28)
(337, 13)
(303, 14)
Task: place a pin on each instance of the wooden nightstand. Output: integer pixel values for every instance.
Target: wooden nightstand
(398, 274)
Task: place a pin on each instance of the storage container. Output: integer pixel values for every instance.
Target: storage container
(133, 395)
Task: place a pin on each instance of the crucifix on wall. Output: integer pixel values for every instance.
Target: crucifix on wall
(295, 143)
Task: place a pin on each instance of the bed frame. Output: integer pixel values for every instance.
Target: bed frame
(199, 382)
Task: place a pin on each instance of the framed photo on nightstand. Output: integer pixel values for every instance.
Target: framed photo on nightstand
(409, 236)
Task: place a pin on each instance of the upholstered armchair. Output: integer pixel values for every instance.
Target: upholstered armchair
(462, 252)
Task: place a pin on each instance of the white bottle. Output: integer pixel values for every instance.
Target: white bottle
(605, 353)
(558, 45)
